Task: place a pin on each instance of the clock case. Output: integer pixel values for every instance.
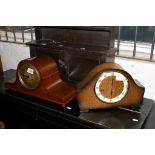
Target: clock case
(88, 100)
(51, 87)
(76, 50)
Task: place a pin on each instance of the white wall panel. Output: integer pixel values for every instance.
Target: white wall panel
(12, 53)
(143, 71)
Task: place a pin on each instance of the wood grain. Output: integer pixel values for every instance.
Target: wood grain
(107, 90)
(87, 97)
(51, 87)
(95, 71)
(76, 49)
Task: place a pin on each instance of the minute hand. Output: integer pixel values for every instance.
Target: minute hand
(112, 86)
(25, 76)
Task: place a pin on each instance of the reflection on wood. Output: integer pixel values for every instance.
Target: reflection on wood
(1, 68)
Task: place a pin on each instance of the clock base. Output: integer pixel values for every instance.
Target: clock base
(60, 94)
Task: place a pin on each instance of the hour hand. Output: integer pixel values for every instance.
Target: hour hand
(25, 76)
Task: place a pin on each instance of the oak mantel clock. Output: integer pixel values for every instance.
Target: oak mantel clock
(109, 85)
(39, 77)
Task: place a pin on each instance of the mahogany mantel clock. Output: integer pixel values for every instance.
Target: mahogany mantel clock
(109, 85)
(39, 77)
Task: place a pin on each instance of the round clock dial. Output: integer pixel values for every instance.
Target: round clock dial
(28, 76)
(111, 86)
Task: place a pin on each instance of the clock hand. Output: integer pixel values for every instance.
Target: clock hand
(25, 76)
(112, 86)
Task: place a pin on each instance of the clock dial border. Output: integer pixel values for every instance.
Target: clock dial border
(118, 98)
(21, 79)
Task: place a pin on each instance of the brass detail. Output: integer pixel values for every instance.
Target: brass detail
(28, 80)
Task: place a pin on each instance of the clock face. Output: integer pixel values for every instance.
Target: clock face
(111, 86)
(28, 76)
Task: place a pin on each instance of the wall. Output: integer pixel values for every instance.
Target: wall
(141, 70)
(12, 53)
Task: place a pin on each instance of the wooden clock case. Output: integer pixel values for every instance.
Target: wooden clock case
(51, 87)
(88, 99)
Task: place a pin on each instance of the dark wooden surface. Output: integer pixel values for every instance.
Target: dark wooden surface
(76, 50)
(83, 35)
(22, 111)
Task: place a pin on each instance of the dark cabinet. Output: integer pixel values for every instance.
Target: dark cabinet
(75, 49)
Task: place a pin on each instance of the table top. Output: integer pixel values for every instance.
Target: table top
(117, 118)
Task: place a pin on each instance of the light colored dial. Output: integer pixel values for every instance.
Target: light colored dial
(28, 76)
(111, 86)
